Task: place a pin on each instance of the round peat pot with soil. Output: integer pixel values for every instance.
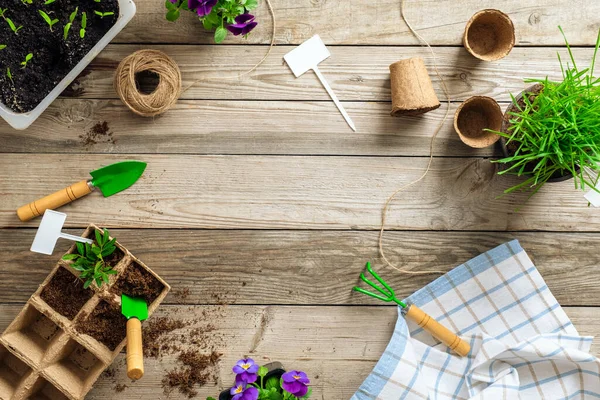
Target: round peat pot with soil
(489, 35)
(509, 149)
(473, 117)
(275, 371)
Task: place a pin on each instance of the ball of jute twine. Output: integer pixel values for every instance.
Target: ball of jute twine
(167, 91)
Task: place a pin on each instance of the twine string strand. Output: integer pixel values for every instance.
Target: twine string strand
(390, 199)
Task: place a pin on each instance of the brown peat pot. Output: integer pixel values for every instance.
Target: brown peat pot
(489, 35)
(412, 91)
(512, 107)
(473, 116)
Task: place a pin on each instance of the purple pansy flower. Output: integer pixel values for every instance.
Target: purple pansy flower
(295, 382)
(174, 1)
(243, 392)
(246, 370)
(243, 25)
(202, 7)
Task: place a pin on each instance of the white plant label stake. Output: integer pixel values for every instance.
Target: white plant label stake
(50, 230)
(307, 56)
(593, 197)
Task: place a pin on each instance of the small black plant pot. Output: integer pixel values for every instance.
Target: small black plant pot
(534, 90)
(275, 370)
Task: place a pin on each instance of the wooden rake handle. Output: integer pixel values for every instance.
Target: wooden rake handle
(438, 331)
(54, 200)
(135, 352)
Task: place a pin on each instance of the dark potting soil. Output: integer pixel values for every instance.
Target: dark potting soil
(65, 293)
(106, 324)
(138, 282)
(197, 369)
(155, 333)
(53, 56)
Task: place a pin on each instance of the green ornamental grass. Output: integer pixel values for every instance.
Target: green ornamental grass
(558, 131)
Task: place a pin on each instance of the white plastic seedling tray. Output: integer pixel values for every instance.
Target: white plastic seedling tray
(23, 120)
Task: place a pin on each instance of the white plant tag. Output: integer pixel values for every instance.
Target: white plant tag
(593, 197)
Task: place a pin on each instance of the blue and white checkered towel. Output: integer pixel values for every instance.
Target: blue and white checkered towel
(523, 345)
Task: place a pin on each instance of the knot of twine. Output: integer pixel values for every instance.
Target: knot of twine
(166, 92)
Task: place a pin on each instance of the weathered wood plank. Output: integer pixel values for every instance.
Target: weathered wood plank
(249, 267)
(258, 192)
(441, 22)
(232, 127)
(336, 346)
(355, 73)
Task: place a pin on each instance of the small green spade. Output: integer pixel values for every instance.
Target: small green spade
(135, 310)
(109, 180)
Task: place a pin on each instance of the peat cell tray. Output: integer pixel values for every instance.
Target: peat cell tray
(75, 369)
(33, 331)
(66, 336)
(44, 390)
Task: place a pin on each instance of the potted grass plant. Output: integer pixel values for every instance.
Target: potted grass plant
(268, 382)
(551, 131)
(220, 16)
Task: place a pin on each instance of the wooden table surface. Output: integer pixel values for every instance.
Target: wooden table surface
(258, 195)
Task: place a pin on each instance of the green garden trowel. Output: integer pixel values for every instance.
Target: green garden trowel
(135, 310)
(110, 180)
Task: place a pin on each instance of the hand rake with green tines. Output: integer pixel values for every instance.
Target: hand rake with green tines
(413, 313)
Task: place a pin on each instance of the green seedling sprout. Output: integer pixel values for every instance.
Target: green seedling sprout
(2, 46)
(83, 25)
(105, 14)
(48, 20)
(9, 75)
(28, 58)
(557, 132)
(90, 259)
(70, 23)
(27, 2)
(49, 2)
(11, 24)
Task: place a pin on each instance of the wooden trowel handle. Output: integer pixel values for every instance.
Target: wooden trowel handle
(54, 200)
(135, 355)
(438, 331)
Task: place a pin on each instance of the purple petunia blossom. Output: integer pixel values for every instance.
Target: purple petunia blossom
(243, 392)
(295, 382)
(246, 370)
(243, 25)
(174, 1)
(202, 7)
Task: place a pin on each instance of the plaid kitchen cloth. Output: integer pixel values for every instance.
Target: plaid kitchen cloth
(523, 345)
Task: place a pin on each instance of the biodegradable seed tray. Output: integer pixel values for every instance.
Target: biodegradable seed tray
(66, 336)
